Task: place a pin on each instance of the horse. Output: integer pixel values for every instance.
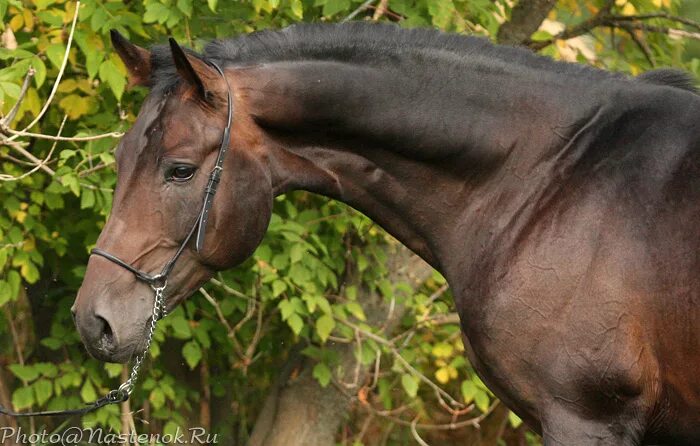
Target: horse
(561, 202)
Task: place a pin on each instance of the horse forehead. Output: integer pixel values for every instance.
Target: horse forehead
(137, 139)
(188, 124)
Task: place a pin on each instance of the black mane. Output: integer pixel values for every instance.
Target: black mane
(375, 44)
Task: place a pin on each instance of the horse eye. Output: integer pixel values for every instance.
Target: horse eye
(182, 173)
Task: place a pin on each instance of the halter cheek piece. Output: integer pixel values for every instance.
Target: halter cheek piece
(200, 225)
(158, 281)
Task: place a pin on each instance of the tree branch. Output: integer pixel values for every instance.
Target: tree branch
(60, 73)
(41, 163)
(626, 23)
(23, 91)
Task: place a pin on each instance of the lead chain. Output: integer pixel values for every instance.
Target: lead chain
(159, 312)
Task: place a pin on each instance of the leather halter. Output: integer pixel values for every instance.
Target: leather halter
(200, 225)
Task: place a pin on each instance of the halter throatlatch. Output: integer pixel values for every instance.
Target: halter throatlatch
(158, 282)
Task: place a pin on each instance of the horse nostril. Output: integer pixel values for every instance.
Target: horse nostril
(106, 335)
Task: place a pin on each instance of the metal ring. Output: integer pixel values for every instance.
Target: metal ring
(157, 279)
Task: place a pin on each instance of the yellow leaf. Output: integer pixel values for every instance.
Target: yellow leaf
(75, 106)
(452, 371)
(442, 350)
(17, 22)
(31, 102)
(442, 375)
(629, 9)
(28, 19)
(67, 86)
(70, 11)
(29, 244)
(20, 216)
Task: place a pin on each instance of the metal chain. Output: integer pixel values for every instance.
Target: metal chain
(159, 312)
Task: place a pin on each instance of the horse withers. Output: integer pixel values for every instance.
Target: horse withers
(561, 202)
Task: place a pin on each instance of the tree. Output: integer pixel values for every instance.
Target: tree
(322, 298)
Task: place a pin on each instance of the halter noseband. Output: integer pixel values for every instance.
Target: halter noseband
(158, 281)
(200, 223)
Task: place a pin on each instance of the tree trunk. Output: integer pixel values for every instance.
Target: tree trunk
(298, 411)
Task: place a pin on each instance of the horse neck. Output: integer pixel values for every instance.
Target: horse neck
(412, 147)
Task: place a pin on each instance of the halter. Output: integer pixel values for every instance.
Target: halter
(159, 281)
(200, 224)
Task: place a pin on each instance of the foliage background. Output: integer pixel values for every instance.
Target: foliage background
(213, 363)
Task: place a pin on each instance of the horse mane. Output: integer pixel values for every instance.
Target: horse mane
(670, 77)
(377, 44)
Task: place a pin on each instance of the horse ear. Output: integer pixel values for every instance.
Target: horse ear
(193, 70)
(136, 59)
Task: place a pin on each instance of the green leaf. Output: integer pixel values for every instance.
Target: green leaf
(185, 6)
(39, 71)
(46, 369)
(192, 353)
(43, 4)
(52, 343)
(515, 420)
(87, 199)
(181, 328)
(43, 389)
(356, 310)
(540, 36)
(212, 5)
(70, 180)
(156, 12)
(332, 7)
(111, 74)
(410, 385)
(87, 392)
(23, 398)
(53, 17)
(322, 374)
(278, 287)
(24, 372)
(5, 292)
(10, 89)
(157, 398)
(286, 309)
(29, 271)
(481, 399)
(113, 370)
(55, 52)
(296, 253)
(324, 326)
(469, 390)
(297, 9)
(443, 12)
(99, 18)
(295, 323)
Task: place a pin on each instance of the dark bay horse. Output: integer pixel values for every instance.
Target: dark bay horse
(561, 202)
